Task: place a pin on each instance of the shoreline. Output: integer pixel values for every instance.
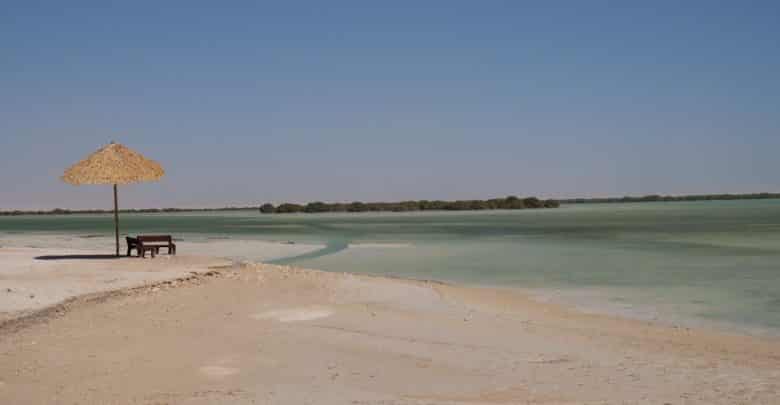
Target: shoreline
(300, 335)
(573, 298)
(278, 252)
(14, 322)
(209, 267)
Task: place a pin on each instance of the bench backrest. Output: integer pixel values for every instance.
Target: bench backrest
(155, 238)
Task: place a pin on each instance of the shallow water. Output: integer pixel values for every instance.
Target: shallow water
(694, 262)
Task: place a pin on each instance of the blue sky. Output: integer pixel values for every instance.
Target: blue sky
(297, 101)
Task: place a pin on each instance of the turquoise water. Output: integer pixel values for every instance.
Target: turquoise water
(695, 261)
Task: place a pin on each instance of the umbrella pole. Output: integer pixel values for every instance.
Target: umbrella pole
(116, 220)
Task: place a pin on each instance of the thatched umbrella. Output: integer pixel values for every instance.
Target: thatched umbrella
(113, 164)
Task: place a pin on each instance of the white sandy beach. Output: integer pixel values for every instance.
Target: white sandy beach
(33, 279)
(279, 335)
(390, 203)
(235, 249)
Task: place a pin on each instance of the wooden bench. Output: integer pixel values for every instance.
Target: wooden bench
(150, 243)
(132, 243)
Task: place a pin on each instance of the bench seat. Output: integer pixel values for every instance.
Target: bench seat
(151, 244)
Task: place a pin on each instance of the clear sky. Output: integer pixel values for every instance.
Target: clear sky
(248, 102)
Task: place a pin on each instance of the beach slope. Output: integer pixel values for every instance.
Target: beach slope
(279, 335)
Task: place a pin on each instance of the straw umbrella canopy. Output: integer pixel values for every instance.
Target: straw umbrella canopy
(114, 164)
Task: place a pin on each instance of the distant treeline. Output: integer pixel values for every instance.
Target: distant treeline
(669, 198)
(61, 211)
(508, 203)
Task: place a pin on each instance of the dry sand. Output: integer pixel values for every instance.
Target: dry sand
(276, 335)
(33, 279)
(259, 250)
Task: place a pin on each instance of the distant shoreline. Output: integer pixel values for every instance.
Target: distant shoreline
(672, 198)
(508, 203)
(465, 205)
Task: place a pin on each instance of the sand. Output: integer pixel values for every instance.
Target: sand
(261, 251)
(32, 279)
(278, 335)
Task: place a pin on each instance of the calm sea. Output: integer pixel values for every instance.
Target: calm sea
(691, 262)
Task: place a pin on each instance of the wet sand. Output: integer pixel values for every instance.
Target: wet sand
(278, 335)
